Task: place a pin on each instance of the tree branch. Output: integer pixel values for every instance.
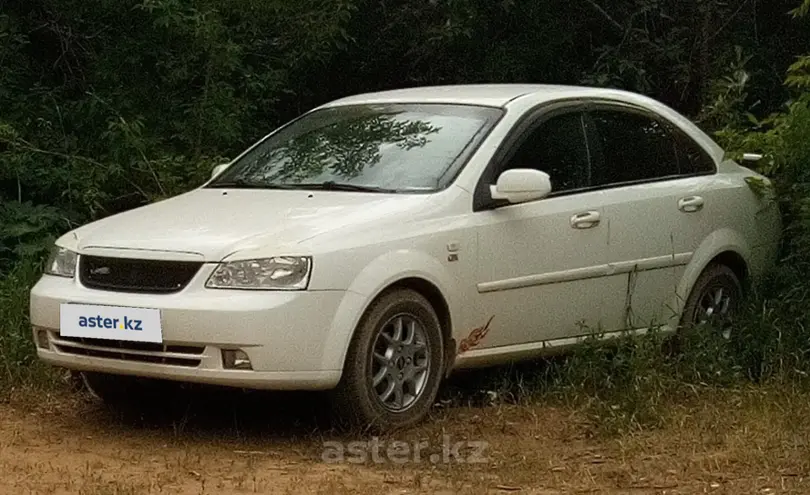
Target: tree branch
(25, 145)
(607, 16)
(729, 20)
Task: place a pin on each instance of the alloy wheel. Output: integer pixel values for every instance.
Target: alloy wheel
(400, 362)
(714, 308)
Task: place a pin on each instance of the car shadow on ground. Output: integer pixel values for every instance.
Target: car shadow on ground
(196, 411)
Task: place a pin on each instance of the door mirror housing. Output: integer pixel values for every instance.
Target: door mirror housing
(219, 169)
(521, 185)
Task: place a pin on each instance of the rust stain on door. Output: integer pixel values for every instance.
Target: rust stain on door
(475, 337)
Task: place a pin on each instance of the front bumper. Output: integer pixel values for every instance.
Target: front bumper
(286, 335)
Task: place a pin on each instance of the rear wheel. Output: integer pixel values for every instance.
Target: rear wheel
(715, 300)
(394, 365)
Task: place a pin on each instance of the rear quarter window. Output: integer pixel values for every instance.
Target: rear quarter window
(693, 159)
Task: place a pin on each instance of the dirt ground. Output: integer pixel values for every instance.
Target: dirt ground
(216, 442)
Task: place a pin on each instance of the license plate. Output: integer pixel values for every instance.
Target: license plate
(110, 322)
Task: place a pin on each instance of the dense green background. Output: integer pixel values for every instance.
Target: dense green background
(108, 104)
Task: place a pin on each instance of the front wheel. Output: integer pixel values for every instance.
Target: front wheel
(394, 365)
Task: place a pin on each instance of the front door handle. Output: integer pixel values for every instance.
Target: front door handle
(585, 220)
(690, 204)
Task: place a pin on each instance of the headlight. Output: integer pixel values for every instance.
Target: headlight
(279, 273)
(61, 262)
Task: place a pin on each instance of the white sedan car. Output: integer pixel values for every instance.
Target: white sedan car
(379, 242)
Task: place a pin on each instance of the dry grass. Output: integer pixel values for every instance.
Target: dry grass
(734, 441)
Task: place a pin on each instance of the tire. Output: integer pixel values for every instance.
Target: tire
(705, 306)
(404, 393)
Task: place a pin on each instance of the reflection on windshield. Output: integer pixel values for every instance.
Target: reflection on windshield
(376, 147)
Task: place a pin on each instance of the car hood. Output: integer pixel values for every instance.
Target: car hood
(213, 223)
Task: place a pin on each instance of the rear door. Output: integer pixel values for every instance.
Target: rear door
(660, 206)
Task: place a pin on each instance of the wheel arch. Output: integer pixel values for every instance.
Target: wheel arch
(737, 263)
(434, 296)
(724, 246)
(424, 275)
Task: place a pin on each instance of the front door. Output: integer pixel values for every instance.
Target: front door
(541, 264)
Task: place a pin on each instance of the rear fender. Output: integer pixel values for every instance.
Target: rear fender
(718, 242)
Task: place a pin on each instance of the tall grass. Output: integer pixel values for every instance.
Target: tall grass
(18, 362)
(634, 381)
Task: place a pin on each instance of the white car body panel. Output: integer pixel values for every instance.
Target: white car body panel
(532, 289)
(564, 265)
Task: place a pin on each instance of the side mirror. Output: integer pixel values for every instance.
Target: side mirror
(521, 185)
(219, 169)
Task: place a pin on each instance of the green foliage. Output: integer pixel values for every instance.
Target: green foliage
(802, 10)
(630, 384)
(18, 362)
(799, 74)
(783, 138)
(777, 331)
(27, 231)
(727, 96)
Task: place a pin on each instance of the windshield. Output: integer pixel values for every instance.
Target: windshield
(382, 148)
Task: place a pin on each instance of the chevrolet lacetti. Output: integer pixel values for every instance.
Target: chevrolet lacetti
(379, 242)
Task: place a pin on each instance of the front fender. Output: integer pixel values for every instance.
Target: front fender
(378, 275)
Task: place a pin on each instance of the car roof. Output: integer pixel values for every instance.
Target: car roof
(523, 96)
(497, 95)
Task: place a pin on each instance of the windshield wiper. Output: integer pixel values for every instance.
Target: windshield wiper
(245, 184)
(323, 186)
(341, 186)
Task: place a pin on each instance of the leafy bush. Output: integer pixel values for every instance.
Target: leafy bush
(18, 363)
(27, 231)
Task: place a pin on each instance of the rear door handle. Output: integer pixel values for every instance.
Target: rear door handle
(690, 204)
(585, 220)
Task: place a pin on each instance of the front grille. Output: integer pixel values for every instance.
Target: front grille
(176, 355)
(136, 346)
(131, 275)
